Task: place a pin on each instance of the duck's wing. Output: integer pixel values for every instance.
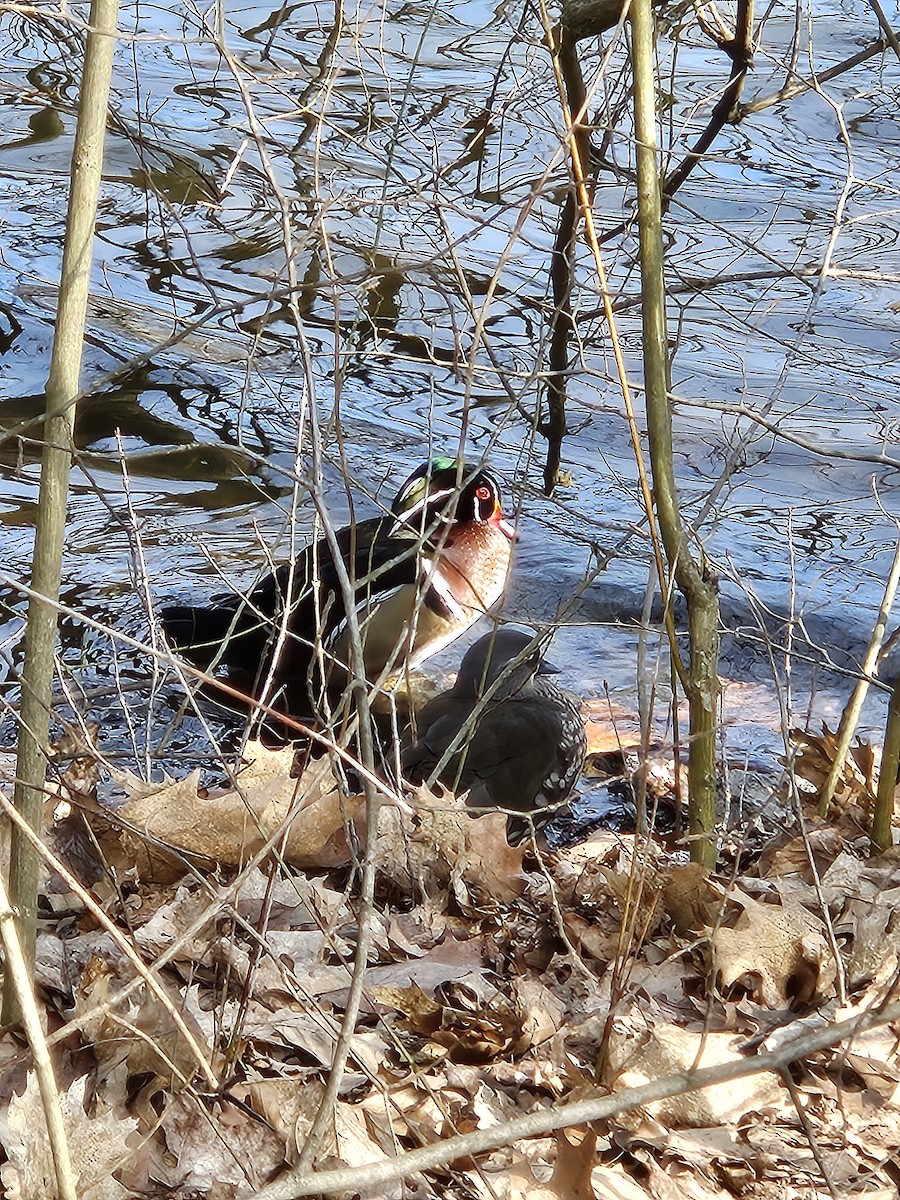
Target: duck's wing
(238, 630)
(523, 756)
(439, 725)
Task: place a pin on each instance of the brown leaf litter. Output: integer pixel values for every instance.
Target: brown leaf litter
(497, 984)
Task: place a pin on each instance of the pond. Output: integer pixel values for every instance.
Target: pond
(400, 178)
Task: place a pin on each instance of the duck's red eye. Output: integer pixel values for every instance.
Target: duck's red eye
(483, 493)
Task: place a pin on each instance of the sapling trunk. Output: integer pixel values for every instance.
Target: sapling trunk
(882, 837)
(62, 388)
(850, 715)
(694, 578)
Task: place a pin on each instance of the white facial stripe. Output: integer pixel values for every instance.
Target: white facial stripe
(406, 518)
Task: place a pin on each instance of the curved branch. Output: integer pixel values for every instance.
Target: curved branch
(560, 1116)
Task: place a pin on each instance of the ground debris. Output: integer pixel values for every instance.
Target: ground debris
(501, 980)
(814, 756)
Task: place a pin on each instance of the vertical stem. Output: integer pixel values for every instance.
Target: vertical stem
(18, 971)
(887, 777)
(62, 388)
(695, 580)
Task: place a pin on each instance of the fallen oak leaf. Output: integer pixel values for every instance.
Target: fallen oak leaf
(136, 1035)
(227, 1159)
(641, 1051)
(571, 1178)
(98, 1146)
(231, 825)
(489, 862)
(690, 896)
(782, 947)
(422, 1014)
(440, 845)
(814, 756)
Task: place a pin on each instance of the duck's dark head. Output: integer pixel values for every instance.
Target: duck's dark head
(493, 657)
(446, 490)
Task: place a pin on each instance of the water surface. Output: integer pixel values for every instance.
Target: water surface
(414, 161)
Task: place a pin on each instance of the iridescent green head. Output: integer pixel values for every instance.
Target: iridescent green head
(432, 482)
(446, 489)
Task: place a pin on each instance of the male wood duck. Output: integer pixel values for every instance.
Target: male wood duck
(504, 732)
(421, 574)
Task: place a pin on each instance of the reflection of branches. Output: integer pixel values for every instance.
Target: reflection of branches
(737, 452)
(777, 430)
(563, 260)
(739, 48)
(579, 21)
(163, 166)
(699, 285)
(789, 91)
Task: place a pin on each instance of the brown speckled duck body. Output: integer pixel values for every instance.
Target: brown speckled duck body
(504, 732)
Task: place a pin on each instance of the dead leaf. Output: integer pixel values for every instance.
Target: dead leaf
(575, 1157)
(475, 1023)
(541, 1012)
(137, 1035)
(689, 896)
(229, 1159)
(791, 855)
(98, 1145)
(813, 759)
(570, 1180)
(598, 938)
(779, 951)
(348, 1140)
(441, 846)
(640, 1052)
(231, 826)
(422, 1015)
(489, 863)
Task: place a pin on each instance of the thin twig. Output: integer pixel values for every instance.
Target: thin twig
(146, 974)
(803, 1117)
(19, 974)
(561, 1116)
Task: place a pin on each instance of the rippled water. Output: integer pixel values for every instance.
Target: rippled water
(422, 203)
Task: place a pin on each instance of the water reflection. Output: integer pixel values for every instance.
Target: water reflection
(412, 160)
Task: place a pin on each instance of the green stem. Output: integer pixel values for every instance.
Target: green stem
(694, 579)
(887, 777)
(62, 387)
